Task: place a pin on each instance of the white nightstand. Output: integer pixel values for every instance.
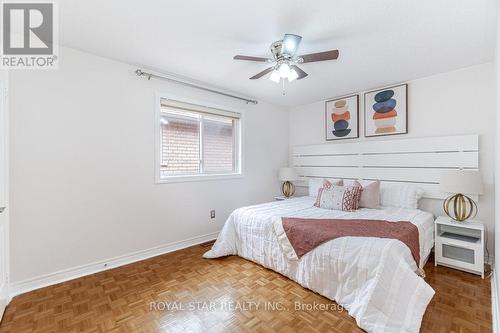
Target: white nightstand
(460, 245)
(281, 198)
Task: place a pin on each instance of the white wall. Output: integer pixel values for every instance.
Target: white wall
(458, 102)
(82, 166)
(496, 274)
(4, 192)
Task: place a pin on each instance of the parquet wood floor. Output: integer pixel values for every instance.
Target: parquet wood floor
(119, 300)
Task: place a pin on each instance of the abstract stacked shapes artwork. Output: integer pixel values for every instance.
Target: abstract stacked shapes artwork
(385, 114)
(386, 111)
(342, 118)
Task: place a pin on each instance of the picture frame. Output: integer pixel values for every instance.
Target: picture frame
(386, 111)
(342, 118)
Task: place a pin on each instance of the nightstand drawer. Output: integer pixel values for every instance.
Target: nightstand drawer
(466, 257)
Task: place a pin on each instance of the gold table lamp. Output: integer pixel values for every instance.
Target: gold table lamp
(459, 206)
(286, 175)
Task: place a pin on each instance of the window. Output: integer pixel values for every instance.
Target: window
(197, 141)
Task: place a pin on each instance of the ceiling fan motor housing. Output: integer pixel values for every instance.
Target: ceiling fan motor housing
(277, 51)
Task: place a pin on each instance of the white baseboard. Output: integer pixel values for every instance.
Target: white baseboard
(24, 286)
(494, 303)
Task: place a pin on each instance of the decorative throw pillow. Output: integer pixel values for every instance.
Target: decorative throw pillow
(316, 183)
(370, 194)
(338, 198)
(327, 184)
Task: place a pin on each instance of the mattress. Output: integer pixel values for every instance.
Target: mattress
(373, 278)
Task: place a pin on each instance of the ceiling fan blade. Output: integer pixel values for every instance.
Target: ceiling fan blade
(250, 58)
(290, 44)
(320, 56)
(299, 71)
(261, 74)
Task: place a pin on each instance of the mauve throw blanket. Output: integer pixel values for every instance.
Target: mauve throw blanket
(305, 234)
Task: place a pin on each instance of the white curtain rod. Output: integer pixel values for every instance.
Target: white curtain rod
(140, 72)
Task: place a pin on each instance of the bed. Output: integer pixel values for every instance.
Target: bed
(374, 279)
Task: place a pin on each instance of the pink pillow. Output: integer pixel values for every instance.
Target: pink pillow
(370, 194)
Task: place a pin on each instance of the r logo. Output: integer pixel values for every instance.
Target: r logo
(28, 28)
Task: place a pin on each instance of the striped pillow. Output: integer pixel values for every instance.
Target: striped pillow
(338, 198)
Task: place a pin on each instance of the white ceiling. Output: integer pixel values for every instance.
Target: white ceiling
(380, 42)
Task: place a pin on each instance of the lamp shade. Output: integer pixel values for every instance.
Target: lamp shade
(287, 174)
(462, 181)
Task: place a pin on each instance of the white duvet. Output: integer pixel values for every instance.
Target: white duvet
(374, 279)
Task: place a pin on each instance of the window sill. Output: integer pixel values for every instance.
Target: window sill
(197, 178)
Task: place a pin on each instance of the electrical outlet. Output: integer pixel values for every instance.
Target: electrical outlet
(212, 214)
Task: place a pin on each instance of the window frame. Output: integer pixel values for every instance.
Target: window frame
(238, 146)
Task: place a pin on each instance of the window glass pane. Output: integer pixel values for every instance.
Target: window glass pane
(180, 146)
(218, 145)
(194, 142)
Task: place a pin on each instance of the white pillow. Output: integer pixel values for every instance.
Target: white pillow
(400, 195)
(316, 183)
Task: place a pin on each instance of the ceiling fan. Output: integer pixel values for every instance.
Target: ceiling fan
(284, 60)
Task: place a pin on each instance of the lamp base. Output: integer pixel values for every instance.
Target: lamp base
(287, 189)
(463, 207)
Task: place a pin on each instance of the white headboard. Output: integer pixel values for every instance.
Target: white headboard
(418, 160)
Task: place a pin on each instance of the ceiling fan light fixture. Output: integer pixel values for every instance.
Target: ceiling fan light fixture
(275, 76)
(284, 70)
(293, 75)
(285, 60)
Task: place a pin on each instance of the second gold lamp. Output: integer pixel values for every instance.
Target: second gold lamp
(461, 183)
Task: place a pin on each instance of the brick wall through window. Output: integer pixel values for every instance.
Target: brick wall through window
(180, 147)
(198, 144)
(217, 146)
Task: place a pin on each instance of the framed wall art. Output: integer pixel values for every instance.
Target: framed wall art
(342, 118)
(386, 111)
